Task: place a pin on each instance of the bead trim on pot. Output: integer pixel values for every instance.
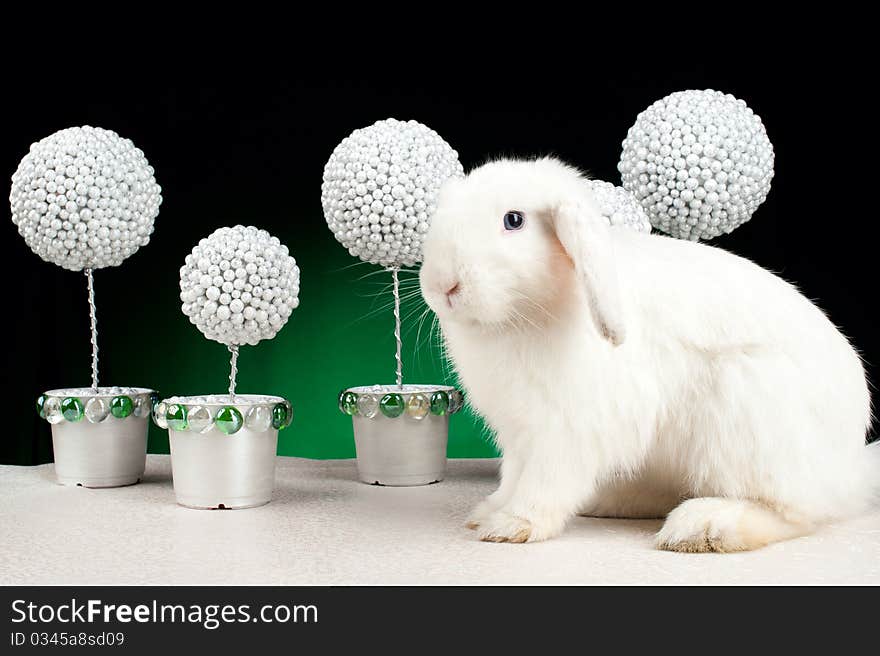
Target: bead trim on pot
(417, 402)
(203, 414)
(95, 405)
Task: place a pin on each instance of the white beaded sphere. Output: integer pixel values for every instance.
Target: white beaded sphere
(380, 187)
(618, 206)
(239, 285)
(699, 162)
(84, 197)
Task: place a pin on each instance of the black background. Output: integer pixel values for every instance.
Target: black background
(264, 126)
(402, 619)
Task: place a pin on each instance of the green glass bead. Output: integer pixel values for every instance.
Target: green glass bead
(439, 403)
(349, 403)
(41, 401)
(339, 401)
(289, 420)
(121, 406)
(175, 416)
(229, 421)
(72, 409)
(154, 400)
(392, 405)
(279, 416)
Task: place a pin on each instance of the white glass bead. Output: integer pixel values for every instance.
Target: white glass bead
(258, 419)
(368, 405)
(52, 410)
(159, 414)
(456, 402)
(418, 406)
(97, 410)
(199, 419)
(141, 405)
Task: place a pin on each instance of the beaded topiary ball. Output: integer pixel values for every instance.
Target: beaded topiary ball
(699, 162)
(84, 197)
(380, 186)
(239, 285)
(619, 207)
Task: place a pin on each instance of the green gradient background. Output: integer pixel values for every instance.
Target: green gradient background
(341, 335)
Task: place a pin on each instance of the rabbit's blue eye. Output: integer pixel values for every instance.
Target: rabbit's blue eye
(513, 220)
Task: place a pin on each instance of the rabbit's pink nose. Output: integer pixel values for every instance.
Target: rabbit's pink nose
(451, 292)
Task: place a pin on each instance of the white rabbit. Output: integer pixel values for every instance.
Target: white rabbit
(635, 375)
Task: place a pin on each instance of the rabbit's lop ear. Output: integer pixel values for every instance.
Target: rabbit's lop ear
(586, 239)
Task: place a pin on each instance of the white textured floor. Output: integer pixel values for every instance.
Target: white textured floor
(324, 527)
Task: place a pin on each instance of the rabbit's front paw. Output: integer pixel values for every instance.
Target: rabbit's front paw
(481, 512)
(502, 526)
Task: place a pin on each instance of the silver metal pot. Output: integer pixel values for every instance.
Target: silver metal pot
(99, 436)
(223, 449)
(400, 433)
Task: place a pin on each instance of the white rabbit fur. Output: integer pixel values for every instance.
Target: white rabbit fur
(634, 375)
